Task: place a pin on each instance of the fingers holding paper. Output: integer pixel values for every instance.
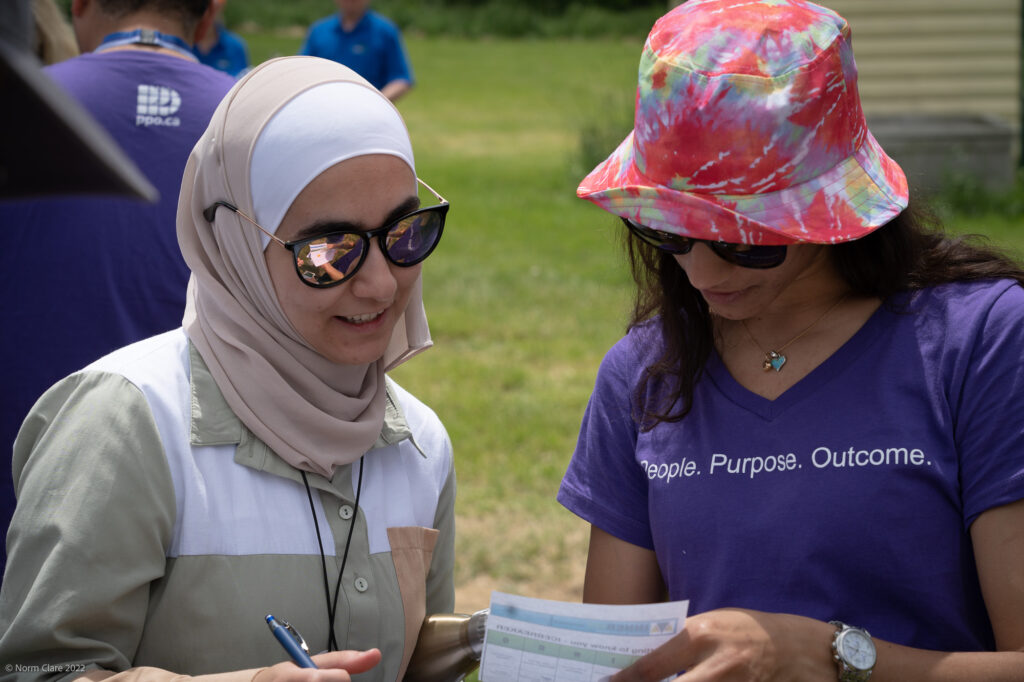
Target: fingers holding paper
(729, 645)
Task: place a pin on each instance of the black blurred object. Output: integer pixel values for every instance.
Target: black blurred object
(48, 143)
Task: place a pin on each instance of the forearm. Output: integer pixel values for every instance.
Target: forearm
(903, 664)
(727, 644)
(811, 646)
(396, 89)
(897, 663)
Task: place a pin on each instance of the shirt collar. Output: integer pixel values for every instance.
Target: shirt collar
(359, 24)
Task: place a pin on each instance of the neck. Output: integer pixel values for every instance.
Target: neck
(349, 20)
(796, 309)
(144, 20)
(817, 286)
(209, 39)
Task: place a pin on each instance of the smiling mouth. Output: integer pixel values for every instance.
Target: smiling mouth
(361, 319)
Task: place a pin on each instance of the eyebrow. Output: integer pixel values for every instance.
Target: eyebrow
(322, 227)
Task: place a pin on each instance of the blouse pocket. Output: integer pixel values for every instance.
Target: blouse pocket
(412, 548)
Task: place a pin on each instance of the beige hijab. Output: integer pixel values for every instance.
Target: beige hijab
(315, 414)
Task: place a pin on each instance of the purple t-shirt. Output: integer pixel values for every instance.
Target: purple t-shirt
(851, 495)
(85, 275)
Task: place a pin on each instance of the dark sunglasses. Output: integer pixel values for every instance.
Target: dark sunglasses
(330, 259)
(743, 255)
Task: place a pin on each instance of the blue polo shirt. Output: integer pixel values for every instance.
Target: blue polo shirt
(373, 49)
(228, 54)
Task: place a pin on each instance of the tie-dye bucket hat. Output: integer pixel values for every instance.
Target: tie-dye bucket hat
(749, 129)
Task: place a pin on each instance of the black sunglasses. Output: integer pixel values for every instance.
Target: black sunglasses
(330, 259)
(743, 255)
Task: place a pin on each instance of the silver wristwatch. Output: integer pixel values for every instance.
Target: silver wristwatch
(853, 651)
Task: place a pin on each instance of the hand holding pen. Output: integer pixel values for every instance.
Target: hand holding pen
(292, 642)
(334, 665)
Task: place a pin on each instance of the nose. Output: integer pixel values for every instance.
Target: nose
(375, 280)
(703, 267)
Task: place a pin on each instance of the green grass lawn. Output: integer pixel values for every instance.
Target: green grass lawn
(525, 294)
(527, 289)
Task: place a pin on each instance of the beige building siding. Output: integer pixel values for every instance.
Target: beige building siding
(940, 85)
(937, 56)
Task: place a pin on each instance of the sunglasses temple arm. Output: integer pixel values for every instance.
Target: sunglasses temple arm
(262, 229)
(432, 191)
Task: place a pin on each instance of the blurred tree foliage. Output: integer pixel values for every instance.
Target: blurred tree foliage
(556, 7)
(464, 18)
(469, 18)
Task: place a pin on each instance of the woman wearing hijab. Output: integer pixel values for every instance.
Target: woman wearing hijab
(257, 460)
(811, 429)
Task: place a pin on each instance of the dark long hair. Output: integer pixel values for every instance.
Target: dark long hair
(910, 252)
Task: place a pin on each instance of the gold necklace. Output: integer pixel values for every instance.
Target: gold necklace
(774, 359)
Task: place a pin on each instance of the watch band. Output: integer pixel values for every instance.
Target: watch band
(853, 651)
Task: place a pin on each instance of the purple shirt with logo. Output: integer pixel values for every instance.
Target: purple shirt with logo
(85, 275)
(848, 497)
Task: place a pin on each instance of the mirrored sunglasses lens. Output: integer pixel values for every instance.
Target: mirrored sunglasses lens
(329, 259)
(411, 239)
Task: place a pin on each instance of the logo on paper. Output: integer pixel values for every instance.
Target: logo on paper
(156, 106)
(665, 627)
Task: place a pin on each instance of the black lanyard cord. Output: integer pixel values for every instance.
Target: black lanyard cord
(332, 608)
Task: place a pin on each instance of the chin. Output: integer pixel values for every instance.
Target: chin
(726, 312)
(350, 356)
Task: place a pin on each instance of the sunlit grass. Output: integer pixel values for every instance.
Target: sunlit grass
(524, 296)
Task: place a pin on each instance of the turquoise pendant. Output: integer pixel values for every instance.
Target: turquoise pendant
(773, 360)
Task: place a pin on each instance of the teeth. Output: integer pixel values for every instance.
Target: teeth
(358, 319)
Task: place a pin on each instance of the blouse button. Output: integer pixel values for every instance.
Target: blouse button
(362, 585)
(345, 512)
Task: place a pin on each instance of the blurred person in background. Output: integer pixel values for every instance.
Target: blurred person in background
(222, 49)
(54, 40)
(102, 272)
(364, 41)
(811, 429)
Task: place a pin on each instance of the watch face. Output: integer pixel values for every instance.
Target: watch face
(857, 649)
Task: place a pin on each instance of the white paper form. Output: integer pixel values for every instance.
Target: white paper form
(539, 640)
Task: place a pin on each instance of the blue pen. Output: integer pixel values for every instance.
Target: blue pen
(292, 642)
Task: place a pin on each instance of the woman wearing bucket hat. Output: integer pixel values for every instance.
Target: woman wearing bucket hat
(812, 421)
(257, 460)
